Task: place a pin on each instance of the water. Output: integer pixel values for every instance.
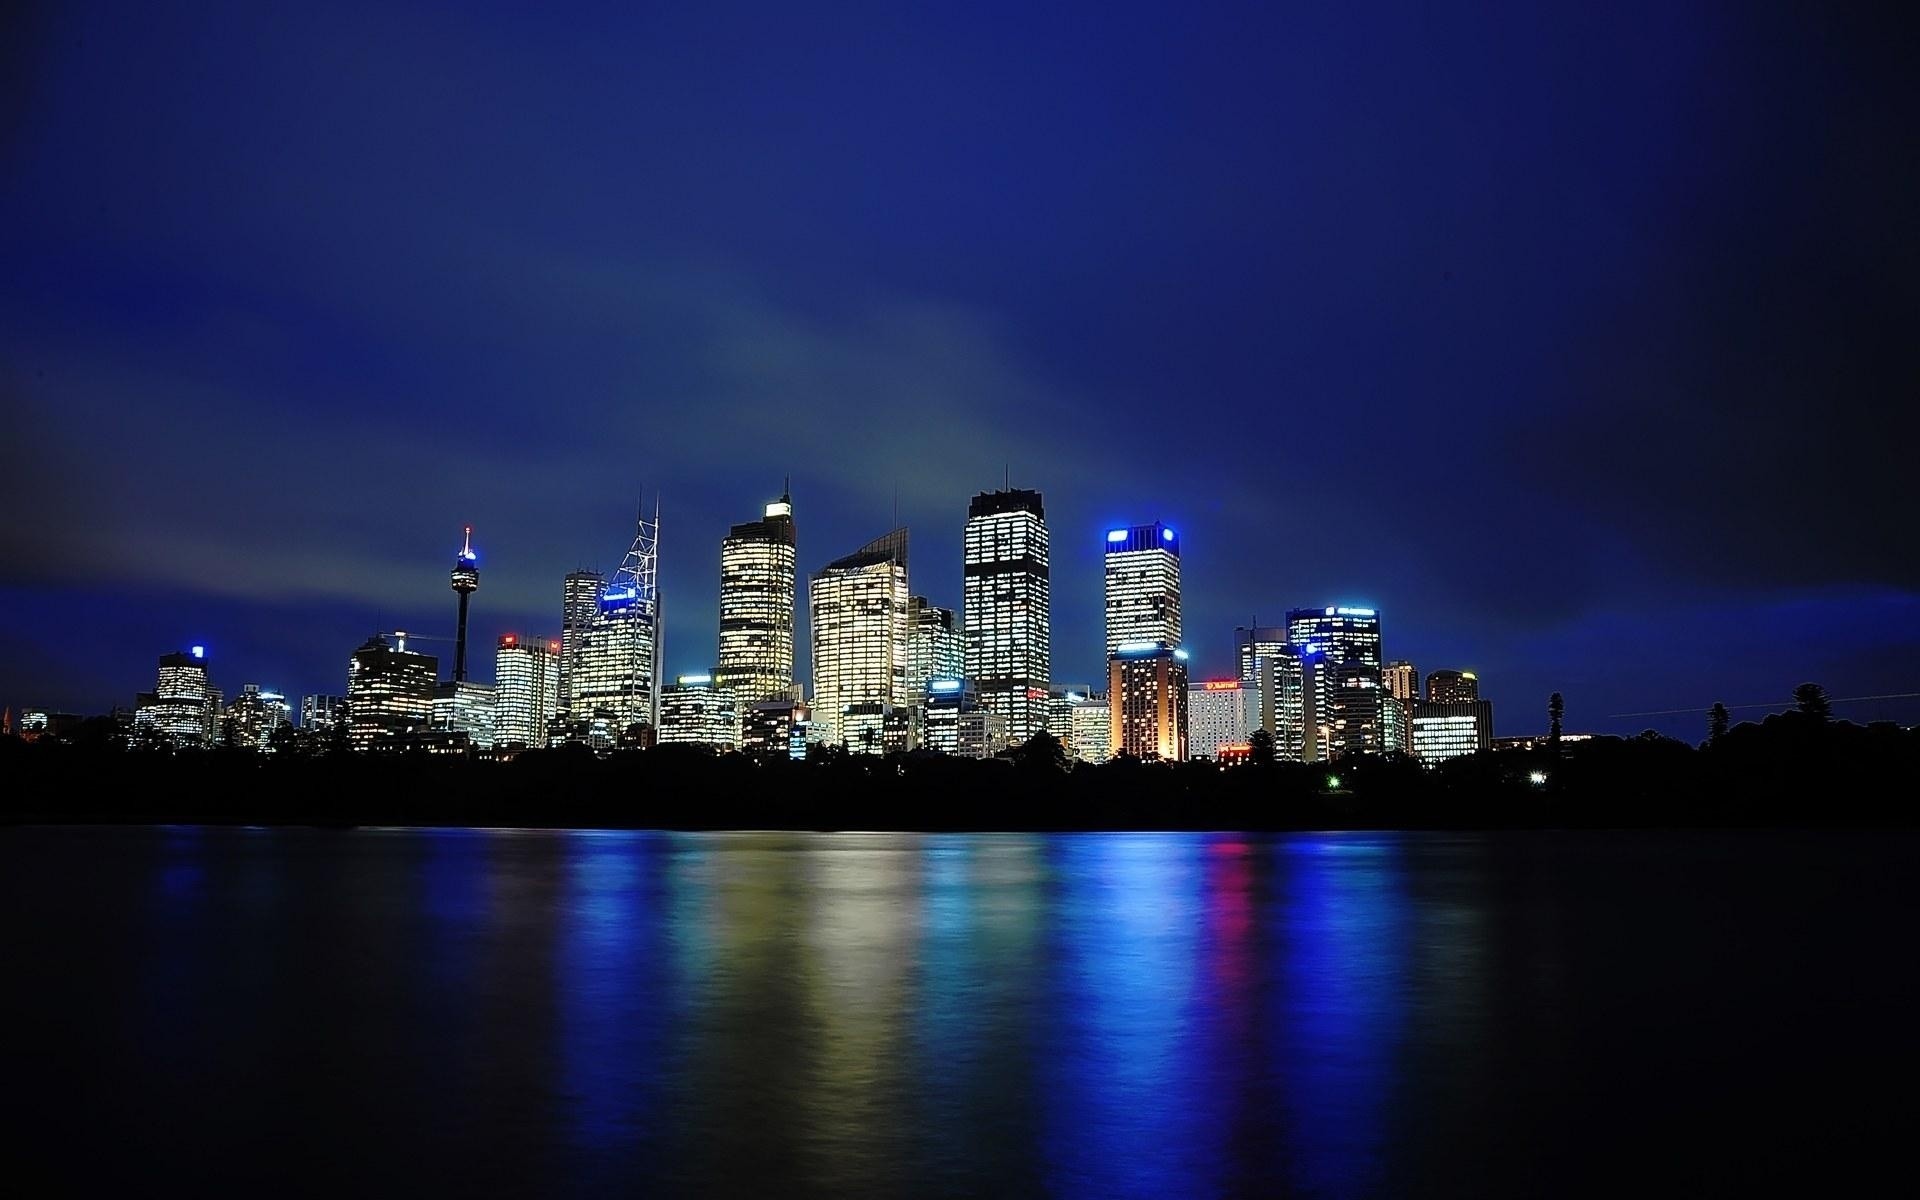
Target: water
(1098, 1016)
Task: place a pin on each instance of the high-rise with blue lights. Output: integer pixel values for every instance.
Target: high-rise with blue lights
(1147, 701)
(1007, 593)
(1143, 586)
(616, 684)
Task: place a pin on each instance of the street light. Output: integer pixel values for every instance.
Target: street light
(1538, 779)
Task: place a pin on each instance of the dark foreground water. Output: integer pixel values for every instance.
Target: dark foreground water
(1154, 1015)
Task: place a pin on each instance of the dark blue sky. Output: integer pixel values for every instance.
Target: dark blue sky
(1578, 339)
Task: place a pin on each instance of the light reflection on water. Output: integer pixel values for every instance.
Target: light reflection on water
(885, 1014)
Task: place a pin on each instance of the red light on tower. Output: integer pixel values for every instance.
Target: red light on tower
(508, 640)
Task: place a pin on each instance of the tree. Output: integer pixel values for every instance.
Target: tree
(1556, 708)
(1260, 748)
(1716, 723)
(1042, 751)
(1811, 699)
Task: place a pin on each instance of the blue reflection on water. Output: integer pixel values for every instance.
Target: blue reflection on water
(1341, 927)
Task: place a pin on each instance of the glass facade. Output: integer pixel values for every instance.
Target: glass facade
(1008, 599)
(758, 584)
(858, 606)
(1142, 587)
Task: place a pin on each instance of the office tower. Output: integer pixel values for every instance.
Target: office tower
(981, 733)
(1401, 680)
(579, 605)
(959, 723)
(1220, 712)
(1143, 587)
(1290, 689)
(183, 709)
(858, 606)
(936, 646)
(1061, 699)
(1254, 642)
(1447, 687)
(1147, 697)
(757, 589)
(1092, 730)
(389, 692)
(696, 711)
(466, 581)
(464, 710)
(255, 715)
(776, 730)
(526, 691)
(1343, 634)
(616, 684)
(1007, 595)
(1444, 729)
(1364, 716)
(321, 713)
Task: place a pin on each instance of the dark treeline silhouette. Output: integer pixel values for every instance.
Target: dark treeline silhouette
(1793, 769)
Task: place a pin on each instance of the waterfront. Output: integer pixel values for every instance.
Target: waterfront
(896, 1014)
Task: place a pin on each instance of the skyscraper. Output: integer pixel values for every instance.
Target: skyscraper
(465, 582)
(1147, 701)
(579, 605)
(1292, 702)
(1007, 594)
(936, 646)
(1143, 586)
(1358, 707)
(183, 709)
(1092, 730)
(526, 688)
(389, 692)
(1401, 680)
(1447, 687)
(616, 685)
(758, 584)
(463, 707)
(859, 606)
(1344, 634)
(1255, 642)
(1220, 712)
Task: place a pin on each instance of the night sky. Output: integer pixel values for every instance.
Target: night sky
(1579, 339)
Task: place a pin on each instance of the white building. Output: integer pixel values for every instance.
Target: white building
(859, 609)
(758, 585)
(1450, 728)
(1092, 731)
(1220, 712)
(1007, 594)
(1143, 587)
(526, 691)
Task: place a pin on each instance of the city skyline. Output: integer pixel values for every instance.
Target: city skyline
(1627, 423)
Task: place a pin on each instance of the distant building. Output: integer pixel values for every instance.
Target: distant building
(1061, 700)
(616, 683)
(946, 699)
(1007, 589)
(526, 691)
(1401, 680)
(1348, 637)
(981, 733)
(1444, 729)
(321, 713)
(465, 707)
(255, 715)
(1290, 687)
(579, 605)
(859, 610)
(936, 645)
(903, 729)
(1092, 730)
(1538, 741)
(184, 708)
(1447, 687)
(776, 729)
(1252, 643)
(389, 692)
(1142, 587)
(758, 586)
(1220, 712)
(38, 723)
(694, 710)
(1357, 707)
(1147, 692)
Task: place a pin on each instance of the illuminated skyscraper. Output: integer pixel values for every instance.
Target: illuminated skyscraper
(1143, 587)
(1344, 634)
(461, 706)
(389, 692)
(1347, 637)
(859, 609)
(466, 581)
(255, 714)
(936, 646)
(1220, 712)
(321, 713)
(758, 584)
(1092, 730)
(696, 711)
(1448, 687)
(183, 708)
(616, 685)
(1401, 680)
(579, 605)
(1147, 699)
(1291, 690)
(1007, 591)
(1446, 729)
(1254, 642)
(526, 691)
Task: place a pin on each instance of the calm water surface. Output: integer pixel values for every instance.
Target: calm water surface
(1098, 1016)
